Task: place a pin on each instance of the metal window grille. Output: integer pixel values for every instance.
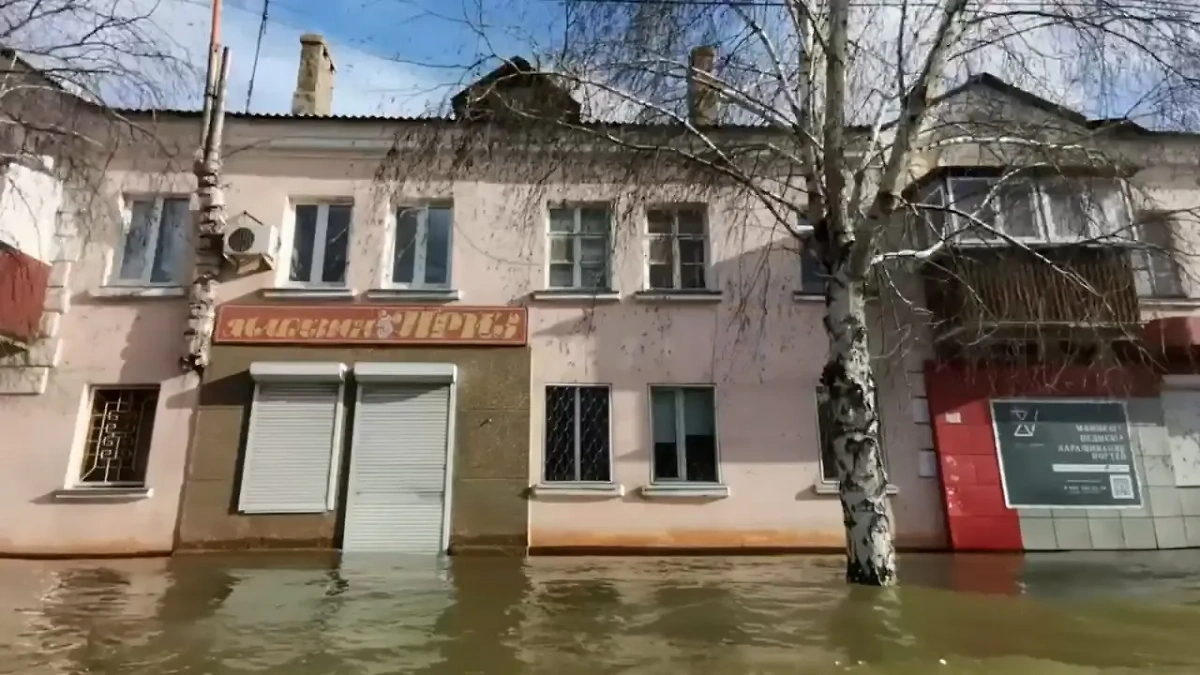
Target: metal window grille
(577, 435)
(829, 469)
(118, 437)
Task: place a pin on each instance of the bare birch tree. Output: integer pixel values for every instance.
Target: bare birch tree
(844, 106)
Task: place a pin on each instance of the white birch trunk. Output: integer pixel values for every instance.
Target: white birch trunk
(849, 391)
(210, 223)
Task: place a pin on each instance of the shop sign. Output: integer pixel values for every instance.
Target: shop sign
(370, 325)
(1065, 453)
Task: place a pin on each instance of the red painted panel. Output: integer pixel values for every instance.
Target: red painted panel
(982, 533)
(987, 470)
(22, 294)
(966, 445)
(957, 470)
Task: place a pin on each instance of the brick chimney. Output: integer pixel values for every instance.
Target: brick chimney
(314, 82)
(702, 97)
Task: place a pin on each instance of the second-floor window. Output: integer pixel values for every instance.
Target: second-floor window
(678, 248)
(1036, 210)
(1156, 271)
(580, 246)
(421, 250)
(320, 244)
(156, 242)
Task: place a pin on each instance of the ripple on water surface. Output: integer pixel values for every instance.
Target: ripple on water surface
(217, 615)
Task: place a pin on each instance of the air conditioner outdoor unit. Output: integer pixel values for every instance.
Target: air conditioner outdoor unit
(249, 240)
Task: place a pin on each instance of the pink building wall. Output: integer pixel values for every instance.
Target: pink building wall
(761, 348)
(93, 334)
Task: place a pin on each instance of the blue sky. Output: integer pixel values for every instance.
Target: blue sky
(393, 56)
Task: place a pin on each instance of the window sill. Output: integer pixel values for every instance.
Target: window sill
(703, 296)
(103, 493)
(579, 490)
(686, 491)
(1168, 303)
(337, 293)
(414, 294)
(575, 295)
(831, 489)
(113, 292)
(805, 296)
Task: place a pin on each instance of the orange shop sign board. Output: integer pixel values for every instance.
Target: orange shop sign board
(370, 325)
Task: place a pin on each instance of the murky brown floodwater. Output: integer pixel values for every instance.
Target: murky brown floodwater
(213, 615)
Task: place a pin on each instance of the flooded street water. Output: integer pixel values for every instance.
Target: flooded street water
(213, 615)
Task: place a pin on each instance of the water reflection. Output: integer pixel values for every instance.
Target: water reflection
(217, 615)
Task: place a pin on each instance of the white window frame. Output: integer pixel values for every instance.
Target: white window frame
(680, 436)
(832, 482)
(420, 248)
(300, 373)
(674, 236)
(576, 386)
(1041, 213)
(317, 265)
(576, 236)
(75, 470)
(151, 245)
(1143, 265)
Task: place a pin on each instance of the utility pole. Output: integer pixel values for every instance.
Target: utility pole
(210, 218)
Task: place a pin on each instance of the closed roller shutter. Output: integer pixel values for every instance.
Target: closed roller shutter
(289, 453)
(398, 469)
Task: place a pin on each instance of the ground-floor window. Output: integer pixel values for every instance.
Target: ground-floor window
(292, 447)
(120, 427)
(829, 470)
(683, 423)
(577, 447)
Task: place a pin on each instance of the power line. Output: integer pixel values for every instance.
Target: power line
(262, 31)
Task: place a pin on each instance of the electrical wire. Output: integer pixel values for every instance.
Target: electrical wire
(262, 31)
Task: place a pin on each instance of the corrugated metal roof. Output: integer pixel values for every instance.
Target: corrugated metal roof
(181, 112)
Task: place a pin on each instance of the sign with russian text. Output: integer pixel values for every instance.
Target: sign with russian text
(1065, 454)
(370, 325)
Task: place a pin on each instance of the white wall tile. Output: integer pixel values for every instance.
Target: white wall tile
(1139, 533)
(1072, 534)
(1170, 532)
(1107, 534)
(1037, 534)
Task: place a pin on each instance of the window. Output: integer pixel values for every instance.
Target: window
(577, 435)
(157, 241)
(579, 247)
(1156, 272)
(1010, 207)
(118, 437)
(320, 241)
(678, 248)
(1043, 210)
(829, 471)
(683, 421)
(812, 272)
(421, 250)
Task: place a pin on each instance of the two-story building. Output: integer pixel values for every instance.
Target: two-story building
(455, 351)
(438, 334)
